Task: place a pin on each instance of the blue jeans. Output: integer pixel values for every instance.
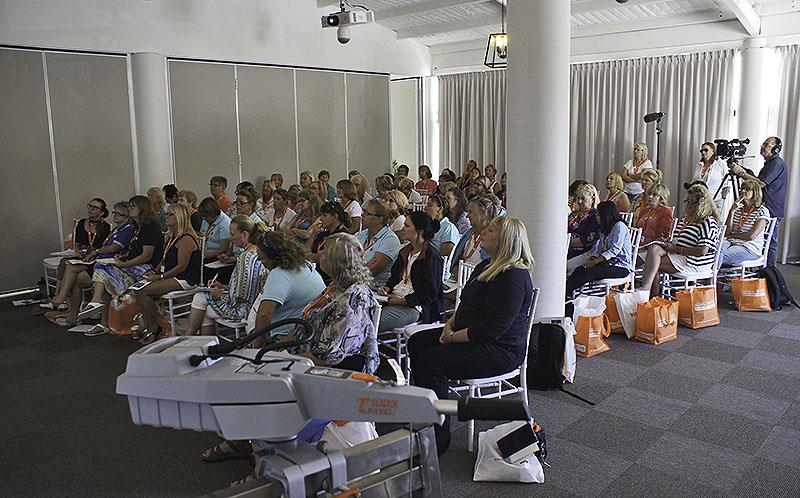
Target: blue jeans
(732, 254)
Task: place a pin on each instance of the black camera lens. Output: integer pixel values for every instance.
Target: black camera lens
(332, 21)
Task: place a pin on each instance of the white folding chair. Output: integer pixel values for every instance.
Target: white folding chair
(238, 328)
(464, 272)
(671, 282)
(627, 217)
(602, 287)
(750, 268)
(501, 385)
(418, 206)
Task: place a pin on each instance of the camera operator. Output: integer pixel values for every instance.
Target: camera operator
(773, 179)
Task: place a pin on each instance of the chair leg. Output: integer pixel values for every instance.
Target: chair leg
(471, 426)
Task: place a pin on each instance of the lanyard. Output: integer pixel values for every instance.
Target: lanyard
(276, 222)
(575, 222)
(172, 241)
(210, 229)
(744, 216)
(372, 241)
(476, 243)
(319, 301)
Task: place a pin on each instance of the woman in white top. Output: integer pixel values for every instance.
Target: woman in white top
(398, 203)
(279, 216)
(348, 196)
(711, 170)
(632, 171)
(744, 236)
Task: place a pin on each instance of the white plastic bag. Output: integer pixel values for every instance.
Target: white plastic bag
(588, 306)
(348, 435)
(626, 307)
(569, 350)
(490, 465)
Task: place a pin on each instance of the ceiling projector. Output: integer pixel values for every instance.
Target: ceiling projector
(345, 18)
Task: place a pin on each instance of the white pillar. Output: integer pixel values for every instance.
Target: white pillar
(151, 109)
(753, 100)
(537, 133)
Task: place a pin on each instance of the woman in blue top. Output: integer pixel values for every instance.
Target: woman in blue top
(307, 213)
(215, 228)
(611, 255)
(381, 245)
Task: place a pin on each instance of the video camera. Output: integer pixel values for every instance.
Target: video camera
(733, 149)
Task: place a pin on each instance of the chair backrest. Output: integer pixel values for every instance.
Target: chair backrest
(445, 267)
(523, 370)
(376, 316)
(674, 227)
(718, 254)
(627, 218)
(418, 206)
(768, 230)
(202, 259)
(464, 272)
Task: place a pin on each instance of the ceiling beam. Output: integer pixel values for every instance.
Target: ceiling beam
(745, 13)
(595, 5)
(655, 23)
(424, 7)
(435, 29)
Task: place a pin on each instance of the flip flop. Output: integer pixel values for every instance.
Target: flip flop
(217, 454)
(91, 310)
(96, 330)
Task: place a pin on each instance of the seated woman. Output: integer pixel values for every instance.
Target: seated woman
(426, 181)
(215, 228)
(582, 226)
(308, 213)
(89, 234)
(232, 302)
(447, 237)
(342, 315)
(481, 185)
(650, 177)
(76, 277)
(693, 246)
(188, 199)
(348, 196)
(744, 236)
(445, 176)
(457, 208)
(333, 219)
(144, 253)
(158, 202)
(611, 255)
(406, 186)
(614, 185)
(265, 201)
(399, 205)
(279, 216)
(360, 182)
(654, 217)
(319, 189)
(481, 210)
(181, 269)
(415, 288)
(502, 191)
(383, 184)
(487, 335)
(246, 199)
(381, 245)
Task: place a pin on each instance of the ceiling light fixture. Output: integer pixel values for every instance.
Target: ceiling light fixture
(497, 48)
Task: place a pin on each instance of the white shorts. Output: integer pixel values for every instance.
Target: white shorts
(184, 284)
(681, 263)
(200, 302)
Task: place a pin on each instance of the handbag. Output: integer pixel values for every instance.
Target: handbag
(697, 307)
(122, 311)
(591, 325)
(614, 320)
(627, 303)
(657, 321)
(750, 294)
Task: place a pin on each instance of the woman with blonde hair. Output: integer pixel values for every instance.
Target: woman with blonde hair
(583, 226)
(188, 199)
(158, 203)
(487, 336)
(398, 203)
(632, 171)
(319, 189)
(233, 301)
(179, 269)
(384, 184)
(744, 236)
(406, 186)
(348, 197)
(693, 245)
(654, 217)
(308, 213)
(265, 201)
(305, 179)
(381, 245)
(360, 182)
(650, 177)
(614, 185)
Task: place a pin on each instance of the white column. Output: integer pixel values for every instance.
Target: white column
(151, 110)
(538, 137)
(753, 100)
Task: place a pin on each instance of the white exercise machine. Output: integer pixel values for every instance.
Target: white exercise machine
(269, 396)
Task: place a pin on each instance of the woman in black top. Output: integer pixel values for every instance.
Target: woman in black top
(487, 336)
(144, 253)
(333, 219)
(180, 269)
(414, 289)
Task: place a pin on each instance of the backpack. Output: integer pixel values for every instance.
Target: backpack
(546, 356)
(776, 286)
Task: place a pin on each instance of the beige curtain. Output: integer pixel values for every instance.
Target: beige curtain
(472, 117)
(609, 99)
(787, 128)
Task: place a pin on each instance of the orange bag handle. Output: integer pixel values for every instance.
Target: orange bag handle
(606, 325)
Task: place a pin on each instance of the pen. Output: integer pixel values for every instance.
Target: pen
(213, 280)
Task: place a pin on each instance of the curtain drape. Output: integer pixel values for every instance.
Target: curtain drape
(789, 131)
(609, 100)
(472, 116)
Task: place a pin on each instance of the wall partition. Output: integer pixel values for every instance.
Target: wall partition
(248, 121)
(65, 136)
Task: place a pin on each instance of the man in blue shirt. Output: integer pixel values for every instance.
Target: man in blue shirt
(773, 178)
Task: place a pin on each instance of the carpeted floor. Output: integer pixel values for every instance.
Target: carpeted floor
(714, 413)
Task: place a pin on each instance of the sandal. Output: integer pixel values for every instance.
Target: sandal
(235, 449)
(149, 337)
(96, 330)
(239, 482)
(91, 310)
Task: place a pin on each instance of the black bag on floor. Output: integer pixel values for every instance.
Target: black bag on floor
(546, 356)
(776, 286)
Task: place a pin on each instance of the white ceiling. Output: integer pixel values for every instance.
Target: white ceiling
(439, 22)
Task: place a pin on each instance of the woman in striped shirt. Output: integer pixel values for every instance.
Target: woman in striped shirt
(693, 245)
(744, 237)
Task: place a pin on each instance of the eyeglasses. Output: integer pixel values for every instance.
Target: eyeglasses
(94, 206)
(367, 213)
(170, 213)
(117, 213)
(705, 150)
(242, 203)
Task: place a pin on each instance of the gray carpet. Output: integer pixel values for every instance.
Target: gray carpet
(714, 413)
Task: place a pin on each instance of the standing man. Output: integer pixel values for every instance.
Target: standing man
(773, 177)
(217, 186)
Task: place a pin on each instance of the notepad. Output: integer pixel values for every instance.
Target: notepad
(69, 253)
(218, 264)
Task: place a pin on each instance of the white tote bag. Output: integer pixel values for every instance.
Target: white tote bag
(490, 465)
(626, 307)
(569, 351)
(348, 435)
